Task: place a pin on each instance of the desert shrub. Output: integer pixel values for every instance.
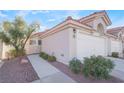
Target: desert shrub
(115, 54)
(75, 66)
(51, 58)
(13, 53)
(97, 67)
(21, 52)
(45, 56)
(41, 54)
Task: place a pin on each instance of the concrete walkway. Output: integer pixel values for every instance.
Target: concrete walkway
(118, 70)
(46, 72)
(1, 63)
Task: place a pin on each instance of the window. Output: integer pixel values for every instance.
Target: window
(32, 42)
(39, 42)
(100, 28)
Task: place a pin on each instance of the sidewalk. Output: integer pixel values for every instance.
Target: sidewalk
(118, 70)
(46, 72)
(1, 63)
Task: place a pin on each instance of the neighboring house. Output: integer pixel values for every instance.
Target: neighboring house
(77, 39)
(118, 32)
(34, 44)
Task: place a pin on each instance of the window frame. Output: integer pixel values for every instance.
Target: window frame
(40, 42)
(32, 42)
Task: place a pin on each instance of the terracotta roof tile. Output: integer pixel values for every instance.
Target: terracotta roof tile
(69, 18)
(116, 30)
(92, 14)
(37, 34)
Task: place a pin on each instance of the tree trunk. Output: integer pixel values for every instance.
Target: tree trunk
(17, 51)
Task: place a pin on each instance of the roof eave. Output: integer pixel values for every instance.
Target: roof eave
(67, 23)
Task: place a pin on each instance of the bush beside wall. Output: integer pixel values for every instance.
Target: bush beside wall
(115, 54)
(75, 66)
(97, 67)
(47, 57)
(13, 53)
(51, 58)
(41, 54)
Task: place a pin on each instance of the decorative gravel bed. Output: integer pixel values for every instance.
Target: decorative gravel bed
(80, 77)
(13, 71)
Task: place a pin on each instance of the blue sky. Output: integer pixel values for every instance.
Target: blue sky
(50, 18)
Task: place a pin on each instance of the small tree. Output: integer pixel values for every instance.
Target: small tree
(17, 33)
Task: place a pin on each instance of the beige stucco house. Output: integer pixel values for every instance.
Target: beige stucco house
(76, 39)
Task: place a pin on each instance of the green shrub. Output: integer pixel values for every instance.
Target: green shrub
(21, 52)
(115, 54)
(45, 56)
(97, 67)
(75, 66)
(13, 53)
(41, 54)
(51, 58)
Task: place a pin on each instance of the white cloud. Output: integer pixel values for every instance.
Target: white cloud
(43, 28)
(58, 17)
(40, 11)
(23, 13)
(74, 13)
(2, 15)
(51, 20)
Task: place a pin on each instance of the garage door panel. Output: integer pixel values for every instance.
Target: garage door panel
(115, 46)
(90, 45)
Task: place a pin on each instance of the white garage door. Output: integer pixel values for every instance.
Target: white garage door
(90, 45)
(116, 46)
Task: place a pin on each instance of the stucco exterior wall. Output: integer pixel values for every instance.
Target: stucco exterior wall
(89, 44)
(31, 49)
(98, 21)
(6, 49)
(58, 45)
(72, 43)
(68, 44)
(116, 46)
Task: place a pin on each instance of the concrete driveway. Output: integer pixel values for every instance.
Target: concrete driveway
(118, 71)
(48, 73)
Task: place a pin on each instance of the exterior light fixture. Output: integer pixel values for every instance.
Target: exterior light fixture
(74, 31)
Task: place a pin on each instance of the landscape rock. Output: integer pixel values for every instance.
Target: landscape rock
(24, 61)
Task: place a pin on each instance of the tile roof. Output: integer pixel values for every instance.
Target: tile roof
(93, 17)
(37, 34)
(73, 20)
(92, 14)
(116, 30)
